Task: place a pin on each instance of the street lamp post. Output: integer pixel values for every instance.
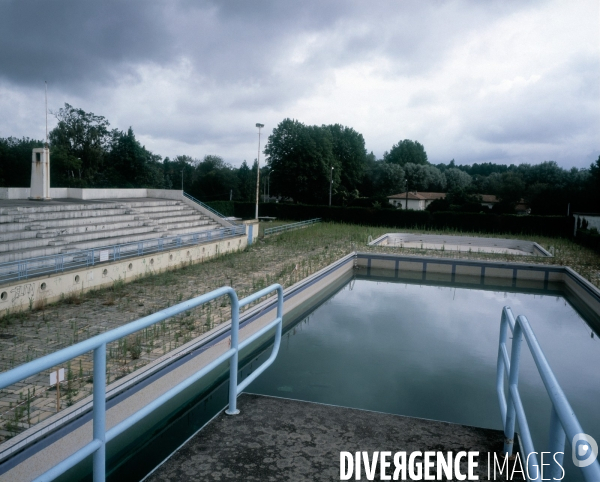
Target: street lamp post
(406, 206)
(330, 184)
(258, 170)
(182, 180)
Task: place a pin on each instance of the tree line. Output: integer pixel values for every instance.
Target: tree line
(303, 163)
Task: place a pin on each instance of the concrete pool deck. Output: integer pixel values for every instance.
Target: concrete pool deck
(443, 242)
(281, 439)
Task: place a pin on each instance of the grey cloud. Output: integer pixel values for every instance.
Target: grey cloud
(97, 55)
(72, 42)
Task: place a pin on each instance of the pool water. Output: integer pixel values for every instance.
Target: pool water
(431, 352)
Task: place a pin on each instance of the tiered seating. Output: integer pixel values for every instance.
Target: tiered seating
(42, 229)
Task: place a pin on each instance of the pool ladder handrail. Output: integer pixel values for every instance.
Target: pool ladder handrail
(98, 343)
(563, 421)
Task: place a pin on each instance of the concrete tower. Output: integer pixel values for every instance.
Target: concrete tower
(40, 166)
(40, 174)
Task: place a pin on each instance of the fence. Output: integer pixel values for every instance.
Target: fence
(288, 227)
(563, 421)
(101, 436)
(27, 268)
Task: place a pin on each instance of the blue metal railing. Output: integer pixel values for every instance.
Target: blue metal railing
(27, 268)
(101, 436)
(205, 206)
(563, 421)
(288, 227)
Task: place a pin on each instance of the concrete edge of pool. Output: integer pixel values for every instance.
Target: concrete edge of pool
(35, 450)
(444, 242)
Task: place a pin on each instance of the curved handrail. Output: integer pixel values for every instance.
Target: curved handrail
(563, 421)
(98, 343)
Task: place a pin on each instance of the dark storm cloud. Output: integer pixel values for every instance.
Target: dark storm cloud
(88, 42)
(201, 73)
(73, 42)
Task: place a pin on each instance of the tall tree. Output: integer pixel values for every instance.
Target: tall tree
(214, 179)
(456, 179)
(424, 178)
(131, 165)
(387, 178)
(15, 161)
(350, 153)
(406, 151)
(301, 158)
(79, 144)
(246, 182)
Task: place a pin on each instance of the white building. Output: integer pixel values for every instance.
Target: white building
(417, 201)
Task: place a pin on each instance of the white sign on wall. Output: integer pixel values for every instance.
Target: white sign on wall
(104, 255)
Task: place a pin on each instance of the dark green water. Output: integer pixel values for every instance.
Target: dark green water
(431, 352)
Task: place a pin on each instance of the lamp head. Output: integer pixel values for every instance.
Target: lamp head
(259, 125)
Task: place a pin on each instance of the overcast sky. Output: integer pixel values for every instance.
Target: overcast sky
(505, 81)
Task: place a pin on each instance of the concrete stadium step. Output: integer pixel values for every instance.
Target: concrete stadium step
(179, 231)
(104, 235)
(45, 217)
(43, 230)
(183, 218)
(198, 226)
(161, 209)
(76, 238)
(150, 202)
(62, 222)
(126, 239)
(67, 226)
(61, 207)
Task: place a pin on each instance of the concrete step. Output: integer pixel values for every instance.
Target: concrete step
(134, 238)
(61, 207)
(171, 227)
(16, 235)
(45, 218)
(42, 230)
(66, 222)
(150, 210)
(153, 202)
(73, 238)
(104, 225)
(105, 234)
(192, 229)
(184, 219)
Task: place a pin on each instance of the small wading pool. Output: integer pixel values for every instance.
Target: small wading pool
(460, 243)
(430, 351)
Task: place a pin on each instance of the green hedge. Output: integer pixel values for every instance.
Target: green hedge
(476, 222)
(226, 208)
(588, 238)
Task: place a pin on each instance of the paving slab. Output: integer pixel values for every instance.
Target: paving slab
(275, 439)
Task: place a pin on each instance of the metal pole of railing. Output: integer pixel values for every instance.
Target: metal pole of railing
(556, 446)
(100, 412)
(513, 381)
(233, 361)
(501, 367)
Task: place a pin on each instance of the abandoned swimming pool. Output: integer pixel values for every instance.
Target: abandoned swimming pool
(431, 352)
(428, 339)
(423, 350)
